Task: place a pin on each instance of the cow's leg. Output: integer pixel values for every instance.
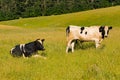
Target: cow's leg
(100, 40)
(97, 43)
(68, 46)
(39, 56)
(23, 55)
(36, 55)
(72, 46)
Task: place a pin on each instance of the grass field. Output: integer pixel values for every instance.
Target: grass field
(84, 64)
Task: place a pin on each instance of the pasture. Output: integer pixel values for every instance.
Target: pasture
(86, 63)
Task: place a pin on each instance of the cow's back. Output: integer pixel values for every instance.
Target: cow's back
(90, 33)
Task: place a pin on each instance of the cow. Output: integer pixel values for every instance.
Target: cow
(28, 49)
(85, 34)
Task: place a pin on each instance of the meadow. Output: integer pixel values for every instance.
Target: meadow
(86, 63)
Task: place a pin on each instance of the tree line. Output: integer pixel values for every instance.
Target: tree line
(14, 9)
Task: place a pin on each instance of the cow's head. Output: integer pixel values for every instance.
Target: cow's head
(39, 44)
(105, 30)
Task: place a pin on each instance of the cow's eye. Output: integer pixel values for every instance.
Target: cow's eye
(107, 31)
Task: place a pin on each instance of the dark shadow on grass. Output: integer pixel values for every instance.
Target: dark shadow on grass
(84, 45)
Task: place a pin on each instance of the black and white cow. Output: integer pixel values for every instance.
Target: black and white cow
(84, 34)
(28, 49)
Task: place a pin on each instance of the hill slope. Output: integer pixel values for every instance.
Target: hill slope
(103, 16)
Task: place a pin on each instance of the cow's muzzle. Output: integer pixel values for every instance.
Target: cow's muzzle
(43, 49)
(106, 36)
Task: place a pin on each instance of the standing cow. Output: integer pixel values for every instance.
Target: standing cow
(28, 49)
(84, 34)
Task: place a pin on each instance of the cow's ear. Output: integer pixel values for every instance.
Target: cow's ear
(42, 40)
(101, 28)
(110, 27)
(37, 39)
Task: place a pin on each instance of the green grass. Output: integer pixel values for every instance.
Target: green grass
(84, 64)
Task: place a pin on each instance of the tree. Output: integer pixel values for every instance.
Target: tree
(13, 9)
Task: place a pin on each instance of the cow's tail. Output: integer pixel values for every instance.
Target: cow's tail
(67, 31)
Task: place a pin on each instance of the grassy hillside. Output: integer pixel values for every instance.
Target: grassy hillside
(84, 64)
(104, 16)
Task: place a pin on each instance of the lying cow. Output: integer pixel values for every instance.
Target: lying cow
(29, 49)
(84, 34)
